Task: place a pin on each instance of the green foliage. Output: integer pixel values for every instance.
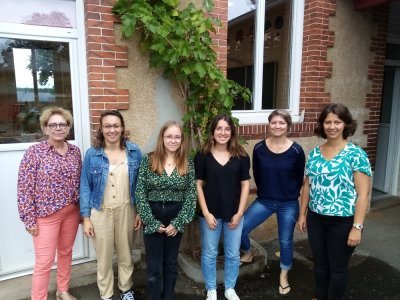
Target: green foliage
(178, 42)
(29, 120)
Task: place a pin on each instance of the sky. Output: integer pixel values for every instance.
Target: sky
(237, 8)
(23, 75)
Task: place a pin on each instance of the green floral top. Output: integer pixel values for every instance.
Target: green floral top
(332, 189)
(154, 187)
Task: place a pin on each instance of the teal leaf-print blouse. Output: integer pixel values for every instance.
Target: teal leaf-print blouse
(332, 189)
(154, 187)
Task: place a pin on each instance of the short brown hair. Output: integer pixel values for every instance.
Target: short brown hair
(281, 113)
(343, 113)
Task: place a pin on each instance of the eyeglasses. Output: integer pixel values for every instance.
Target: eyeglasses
(108, 127)
(172, 137)
(221, 129)
(54, 126)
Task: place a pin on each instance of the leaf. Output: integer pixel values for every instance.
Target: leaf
(200, 69)
(208, 4)
(172, 3)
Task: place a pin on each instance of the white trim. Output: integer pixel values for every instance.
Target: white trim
(258, 55)
(33, 30)
(296, 56)
(251, 117)
(257, 115)
(393, 156)
(83, 100)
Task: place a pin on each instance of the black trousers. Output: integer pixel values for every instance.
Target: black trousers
(328, 240)
(162, 254)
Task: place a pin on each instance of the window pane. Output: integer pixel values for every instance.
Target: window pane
(33, 74)
(241, 16)
(276, 60)
(277, 29)
(52, 13)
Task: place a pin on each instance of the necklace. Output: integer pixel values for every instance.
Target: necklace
(170, 163)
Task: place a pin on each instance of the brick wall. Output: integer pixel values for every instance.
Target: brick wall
(315, 69)
(103, 56)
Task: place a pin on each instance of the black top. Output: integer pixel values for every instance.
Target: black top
(222, 184)
(278, 176)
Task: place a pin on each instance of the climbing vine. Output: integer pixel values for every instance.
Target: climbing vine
(178, 41)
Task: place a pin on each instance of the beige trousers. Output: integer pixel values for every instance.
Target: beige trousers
(113, 227)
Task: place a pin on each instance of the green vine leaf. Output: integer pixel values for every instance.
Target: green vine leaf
(178, 41)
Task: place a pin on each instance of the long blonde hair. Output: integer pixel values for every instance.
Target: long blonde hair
(159, 156)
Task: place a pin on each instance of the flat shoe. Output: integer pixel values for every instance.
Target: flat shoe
(246, 258)
(283, 289)
(64, 296)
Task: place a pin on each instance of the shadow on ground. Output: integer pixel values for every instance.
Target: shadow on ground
(370, 278)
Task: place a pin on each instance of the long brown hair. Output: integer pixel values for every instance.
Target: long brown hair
(99, 141)
(234, 148)
(159, 156)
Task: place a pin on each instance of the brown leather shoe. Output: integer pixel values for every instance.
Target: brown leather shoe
(64, 296)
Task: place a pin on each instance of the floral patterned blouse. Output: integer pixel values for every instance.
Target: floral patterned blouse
(164, 188)
(47, 181)
(332, 188)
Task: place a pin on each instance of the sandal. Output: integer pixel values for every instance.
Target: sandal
(246, 258)
(283, 289)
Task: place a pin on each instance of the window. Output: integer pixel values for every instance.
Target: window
(264, 55)
(40, 65)
(33, 74)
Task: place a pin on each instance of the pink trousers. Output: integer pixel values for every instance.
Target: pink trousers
(56, 234)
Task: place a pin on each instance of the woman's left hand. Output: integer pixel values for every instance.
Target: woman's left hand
(138, 222)
(171, 230)
(354, 238)
(234, 221)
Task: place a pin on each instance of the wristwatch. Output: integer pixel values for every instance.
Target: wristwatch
(358, 226)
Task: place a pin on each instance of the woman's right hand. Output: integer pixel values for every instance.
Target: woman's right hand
(211, 221)
(88, 227)
(302, 223)
(33, 231)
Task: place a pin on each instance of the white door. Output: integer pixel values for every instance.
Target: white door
(41, 64)
(388, 156)
(34, 73)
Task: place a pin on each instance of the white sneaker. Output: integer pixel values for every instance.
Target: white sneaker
(230, 294)
(211, 295)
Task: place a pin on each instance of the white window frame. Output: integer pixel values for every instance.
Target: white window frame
(257, 115)
(75, 37)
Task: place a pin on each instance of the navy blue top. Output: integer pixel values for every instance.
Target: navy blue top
(278, 176)
(222, 183)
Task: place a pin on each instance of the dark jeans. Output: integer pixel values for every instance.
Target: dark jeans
(162, 254)
(328, 240)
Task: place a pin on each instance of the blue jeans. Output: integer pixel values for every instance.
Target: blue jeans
(209, 251)
(328, 240)
(287, 213)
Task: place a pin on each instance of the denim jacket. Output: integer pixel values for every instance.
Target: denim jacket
(94, 174)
